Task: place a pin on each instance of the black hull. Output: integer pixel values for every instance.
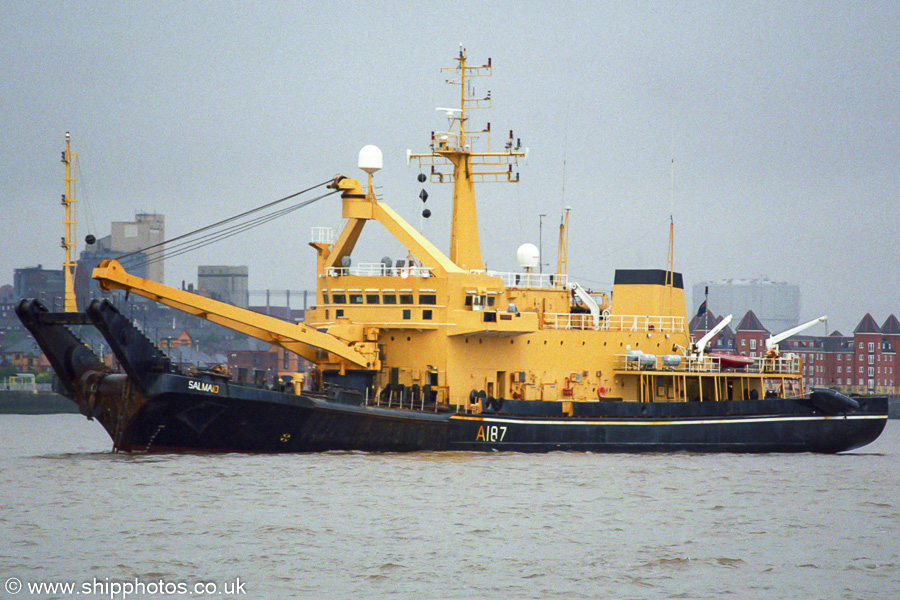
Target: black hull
(244, 419)
(151, 407)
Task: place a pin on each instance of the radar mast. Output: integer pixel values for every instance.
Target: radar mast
(453, 160)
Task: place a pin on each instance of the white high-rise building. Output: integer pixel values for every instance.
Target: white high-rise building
(775, 303)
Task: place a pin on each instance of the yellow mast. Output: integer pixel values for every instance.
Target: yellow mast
(68, 242)
(562, 253)
(454, 148)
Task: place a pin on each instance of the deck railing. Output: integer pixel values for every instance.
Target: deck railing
(529, 280)
(378, 270)
(614, 322)
(568, 321)
(782, 365)
(322, 235)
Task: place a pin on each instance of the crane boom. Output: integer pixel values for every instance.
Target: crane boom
(772, 342)
(701, 344)
(295, 337)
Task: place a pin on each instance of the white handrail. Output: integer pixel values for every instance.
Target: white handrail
(378, 270)
(530, 280)
(615, 322)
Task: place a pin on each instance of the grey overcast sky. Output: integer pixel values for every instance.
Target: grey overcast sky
(782, 118)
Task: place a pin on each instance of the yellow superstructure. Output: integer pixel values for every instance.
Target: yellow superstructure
(443, 324)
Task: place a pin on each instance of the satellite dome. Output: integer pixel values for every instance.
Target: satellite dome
(528, 256)
(370, 159)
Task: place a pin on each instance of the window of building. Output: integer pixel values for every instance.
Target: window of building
(871, 346)
(390, 299)
(860, 372)
(743, 343)
(871, 371)
(839, 369)
(871, 359)
(860, 347)
(839, 381)
(753, 344)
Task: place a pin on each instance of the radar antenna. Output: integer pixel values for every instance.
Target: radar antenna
(453, 160)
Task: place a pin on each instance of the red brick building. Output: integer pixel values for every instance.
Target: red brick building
(865, 363)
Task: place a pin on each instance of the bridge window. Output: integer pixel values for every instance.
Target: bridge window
(406, 299)
(324, 298)
(339, 298)
(356, 298)
(407, 314)
(373, 299)
(390, 298)
(427, 299)
(476, 302)
(426, 315)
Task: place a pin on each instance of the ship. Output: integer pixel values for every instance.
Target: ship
(435, 352)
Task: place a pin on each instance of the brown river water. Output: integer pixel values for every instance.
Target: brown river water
(440, 525)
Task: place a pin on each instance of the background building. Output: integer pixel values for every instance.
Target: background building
(866, 362)
(47, 285)
(226, 284)
(130, 236)
(125, 237)
(775, 303)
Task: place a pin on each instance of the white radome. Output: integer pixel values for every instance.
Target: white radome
(528, 256)
(370, 159)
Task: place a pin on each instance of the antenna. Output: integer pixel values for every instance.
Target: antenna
(455, 157)
(670, 260)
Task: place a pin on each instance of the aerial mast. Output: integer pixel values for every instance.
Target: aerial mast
(562, 253)
(670, 260)
(453, 148)
(70, 223)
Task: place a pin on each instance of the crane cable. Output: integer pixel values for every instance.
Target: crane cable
(188, 245)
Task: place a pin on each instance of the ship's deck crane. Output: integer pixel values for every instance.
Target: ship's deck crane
(296, 337)
(772, 342)
(700, 346)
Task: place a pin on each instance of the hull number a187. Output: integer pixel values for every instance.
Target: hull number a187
(491, 433)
